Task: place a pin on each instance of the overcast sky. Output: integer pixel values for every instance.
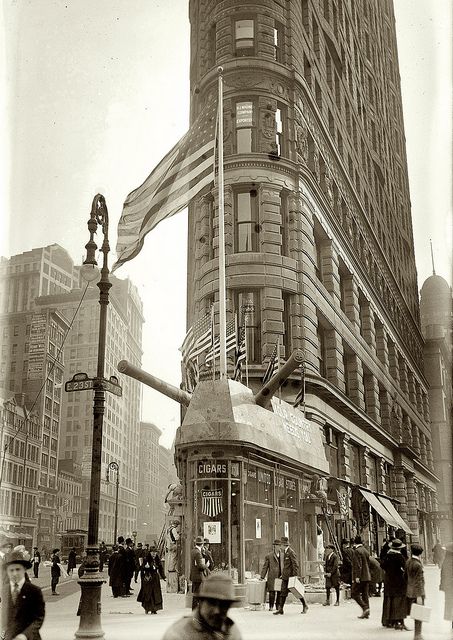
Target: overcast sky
(97, 91)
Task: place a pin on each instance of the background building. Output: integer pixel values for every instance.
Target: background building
(156, 472)
(436, 310)
(318, 238)
(69, 496)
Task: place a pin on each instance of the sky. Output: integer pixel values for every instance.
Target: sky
(96, 93)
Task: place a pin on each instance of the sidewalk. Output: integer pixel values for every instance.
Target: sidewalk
(123, 619)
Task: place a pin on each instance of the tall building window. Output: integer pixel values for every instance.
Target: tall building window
(278, 42)
(247, 303)
(247, 227)
(244, 37)
(322, 364)
(287, 337)
(279, 131)
(354, 463)
(245, 127)
(212, 45)
(332, 440)
(284, 228)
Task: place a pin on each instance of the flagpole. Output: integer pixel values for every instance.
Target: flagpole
(278, 367)
(213, 342)
(222, 286)
(246, 350)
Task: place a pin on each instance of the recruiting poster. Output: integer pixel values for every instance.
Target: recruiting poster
(212, 531)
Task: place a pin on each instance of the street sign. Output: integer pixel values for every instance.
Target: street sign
(79, 382)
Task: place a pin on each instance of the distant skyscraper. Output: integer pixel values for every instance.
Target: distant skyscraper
(436, 310)
(318, 239)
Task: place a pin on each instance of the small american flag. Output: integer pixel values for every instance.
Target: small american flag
(241, 354)
(230, 343)
(274, 363)
(198, 338)
(179, 177)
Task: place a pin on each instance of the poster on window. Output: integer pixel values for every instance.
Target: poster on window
(258, 528)
(212, 531)
(286, 529)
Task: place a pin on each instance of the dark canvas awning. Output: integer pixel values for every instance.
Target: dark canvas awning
(388, 504)
(379, 507)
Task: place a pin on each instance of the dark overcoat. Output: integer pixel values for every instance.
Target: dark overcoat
(395, 581)
(360, 564)
(197, 565)
(150, 594)
(331, 567)
(271, 568)
(55, 569)
(415, 579)
(27, 614)
(116, 569)
(290, 564)
(72, 560)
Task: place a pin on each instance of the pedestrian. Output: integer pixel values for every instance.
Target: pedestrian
(116, 572)
(102, 555)
(394, 607)
(72, 561)
(446, 582)
(210, 617)
(36, 562)
(271, 569)
(415, 585)
(55, 571)
(438, 554)
(289, 567)
(346, 565)
(385, 547)
(197, 569)
(376, 575)
(150, 594)
(5, 550)
(129, 565)
(207, 555)
(139, 555)
(361, 577)
(23, 606)
(332, 574)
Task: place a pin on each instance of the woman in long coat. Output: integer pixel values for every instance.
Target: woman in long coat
(394, 608)
(150, 594)
(271, 569)
(446, 582)
(72, 561)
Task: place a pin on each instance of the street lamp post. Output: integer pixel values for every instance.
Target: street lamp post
(114, 466)
(91, 582)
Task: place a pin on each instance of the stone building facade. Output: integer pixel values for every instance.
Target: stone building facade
(318, 232)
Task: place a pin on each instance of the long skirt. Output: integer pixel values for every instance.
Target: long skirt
(394, 609)
(150, 594)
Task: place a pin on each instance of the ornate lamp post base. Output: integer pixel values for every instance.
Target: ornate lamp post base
(90, 599)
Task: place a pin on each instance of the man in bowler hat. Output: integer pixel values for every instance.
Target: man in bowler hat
(271, 569)
(198, 569)
(209, 619)
(24, 603)
(289, 567)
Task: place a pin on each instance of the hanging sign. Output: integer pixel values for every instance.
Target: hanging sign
(211, 502)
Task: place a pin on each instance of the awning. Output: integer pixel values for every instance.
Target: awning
(380, 508)
(389, 506)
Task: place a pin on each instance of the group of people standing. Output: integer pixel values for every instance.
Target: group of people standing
(127, 563)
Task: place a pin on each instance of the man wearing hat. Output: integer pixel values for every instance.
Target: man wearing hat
(36, 561)
(209, 619)
(271, 568)
(361, 577)
(289, 567)
(24, 605)
(129, 565)
(197, 568)
(55, 571)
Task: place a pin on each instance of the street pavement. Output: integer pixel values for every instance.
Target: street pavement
(124, 619)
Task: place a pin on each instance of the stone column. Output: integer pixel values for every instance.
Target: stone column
(429, 453)
(368, 325)
(407, 430)
(329, 270)
(383, 481)
(419, 398)
(351, 300)
(382, 345)
(412, 513)
(426, 407)
(415, 439)
(372, 397)
(386, 402)
(393, 361)
(334, 359)
(345, 457)
(354, 375)
(271, 220)
(294, 235)
(423, 455)
(403, 375)
(411, 388)
(365, 465)
(308, 290)
(399, 489)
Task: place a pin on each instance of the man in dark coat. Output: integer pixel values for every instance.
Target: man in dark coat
(116, 572)
(289, 567)
(129, 565)
(207, 555)
(394, 607)
(346, 565)
(361, 577)
(72, 561)
(415, 584)
(36, 560)
(271, 569)
(438, 554)
(139, 555)
(24, 604)
(332, 574)
(197, 569)
(55, 571)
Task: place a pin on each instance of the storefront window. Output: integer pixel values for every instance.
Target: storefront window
(259, 517)
(211, 517)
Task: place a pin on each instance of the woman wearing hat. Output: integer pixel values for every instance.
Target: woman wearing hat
(23, 609)
(271, 568)
(394, 608)
(151, 571)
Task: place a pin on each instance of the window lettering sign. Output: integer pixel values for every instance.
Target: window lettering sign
(215, 469)
(264, 476)
(244, 114)
(294, 424)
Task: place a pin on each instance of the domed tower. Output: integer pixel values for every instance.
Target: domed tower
(318, 238)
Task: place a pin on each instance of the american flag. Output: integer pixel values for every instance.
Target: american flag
(212, 502)
(230, 343)
(241, 354)
(179, 177)
(274, 363)
(198, 338)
